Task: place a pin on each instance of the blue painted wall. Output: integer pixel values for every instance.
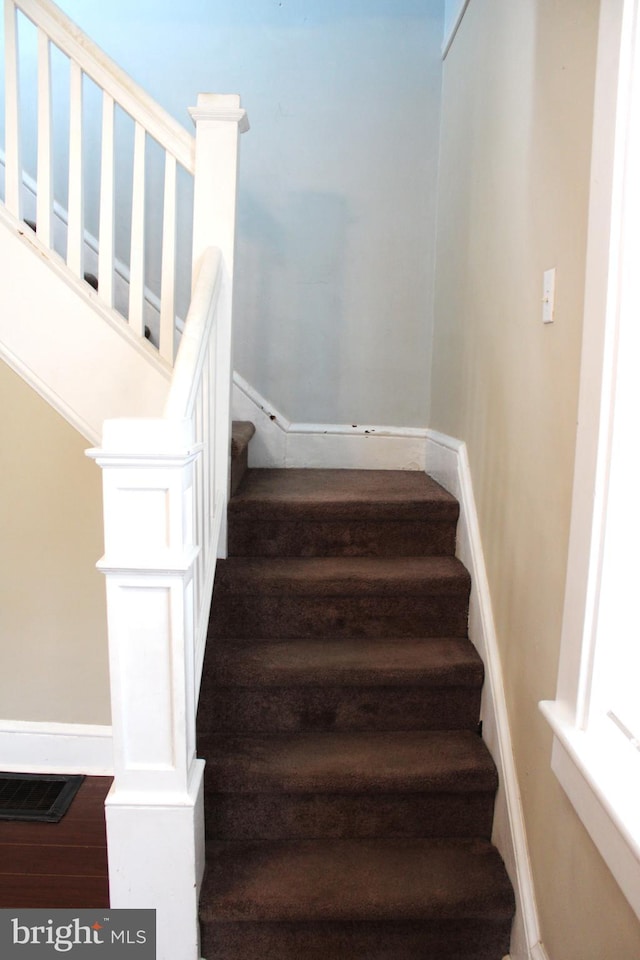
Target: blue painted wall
(337, 189)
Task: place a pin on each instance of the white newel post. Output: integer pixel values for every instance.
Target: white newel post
(154, 812)
(219, 121)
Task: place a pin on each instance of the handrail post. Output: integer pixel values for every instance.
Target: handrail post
(219, 121)
(154, 811)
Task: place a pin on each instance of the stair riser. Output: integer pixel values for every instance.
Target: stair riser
(354, 538)
(299, 817)
(252, 616)
(418, 940)
(239, 466)
(315, 709)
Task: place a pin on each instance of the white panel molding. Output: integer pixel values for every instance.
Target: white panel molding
(280, 443)
(448, 463)
(33, 747)
(452, 23)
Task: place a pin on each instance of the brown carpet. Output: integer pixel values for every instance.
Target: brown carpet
(349, 798)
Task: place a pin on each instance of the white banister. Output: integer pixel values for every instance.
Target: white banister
(44, 199)
(136, 276)
(168, 281)
(13, 163)
(106, 228)
(166, 478)
(149, 120)
(75, 224)
(162, 523)
(165, 500)
(107, 75)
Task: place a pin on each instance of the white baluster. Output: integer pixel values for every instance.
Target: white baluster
(105, 251)
(168, 283)
(75, 227)
(13, 161)
(136, 270)
(44, 197)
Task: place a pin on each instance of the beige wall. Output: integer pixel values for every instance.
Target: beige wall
(53, 647)
(513, 199)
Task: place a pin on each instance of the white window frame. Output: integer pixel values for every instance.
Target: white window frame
(597, 766)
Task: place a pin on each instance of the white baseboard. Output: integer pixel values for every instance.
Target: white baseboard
(27, 747)
(280, 443)
(538, 952)
(447, 462)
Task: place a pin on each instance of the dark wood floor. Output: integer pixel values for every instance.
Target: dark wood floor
(58, 865)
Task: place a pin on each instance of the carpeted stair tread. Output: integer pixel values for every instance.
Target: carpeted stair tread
(355, 880)
(328, 663)
(411, 761)
(241, 433)
(343, 576)
(342, 494)
(348, 798)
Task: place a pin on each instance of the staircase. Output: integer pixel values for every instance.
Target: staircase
(349, 797)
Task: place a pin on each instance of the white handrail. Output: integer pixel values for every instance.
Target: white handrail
(196, 335)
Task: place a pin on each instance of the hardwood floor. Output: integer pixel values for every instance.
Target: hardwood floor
(58, 865)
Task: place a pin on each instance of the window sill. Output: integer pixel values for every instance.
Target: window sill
(600, 773)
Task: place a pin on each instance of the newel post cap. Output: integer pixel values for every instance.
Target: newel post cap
(220, 106)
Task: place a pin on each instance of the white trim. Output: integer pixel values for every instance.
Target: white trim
(588, 769)
(52, 397)
(538, 952)
(450, 32)
(448, 463)
(596, 774)
(29, 747)
(280, 443)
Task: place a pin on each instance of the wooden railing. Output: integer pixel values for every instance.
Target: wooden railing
(165, 479)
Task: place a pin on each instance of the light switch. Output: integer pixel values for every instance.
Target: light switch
(548, 295)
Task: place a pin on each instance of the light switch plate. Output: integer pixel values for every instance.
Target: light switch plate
(549, 295)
